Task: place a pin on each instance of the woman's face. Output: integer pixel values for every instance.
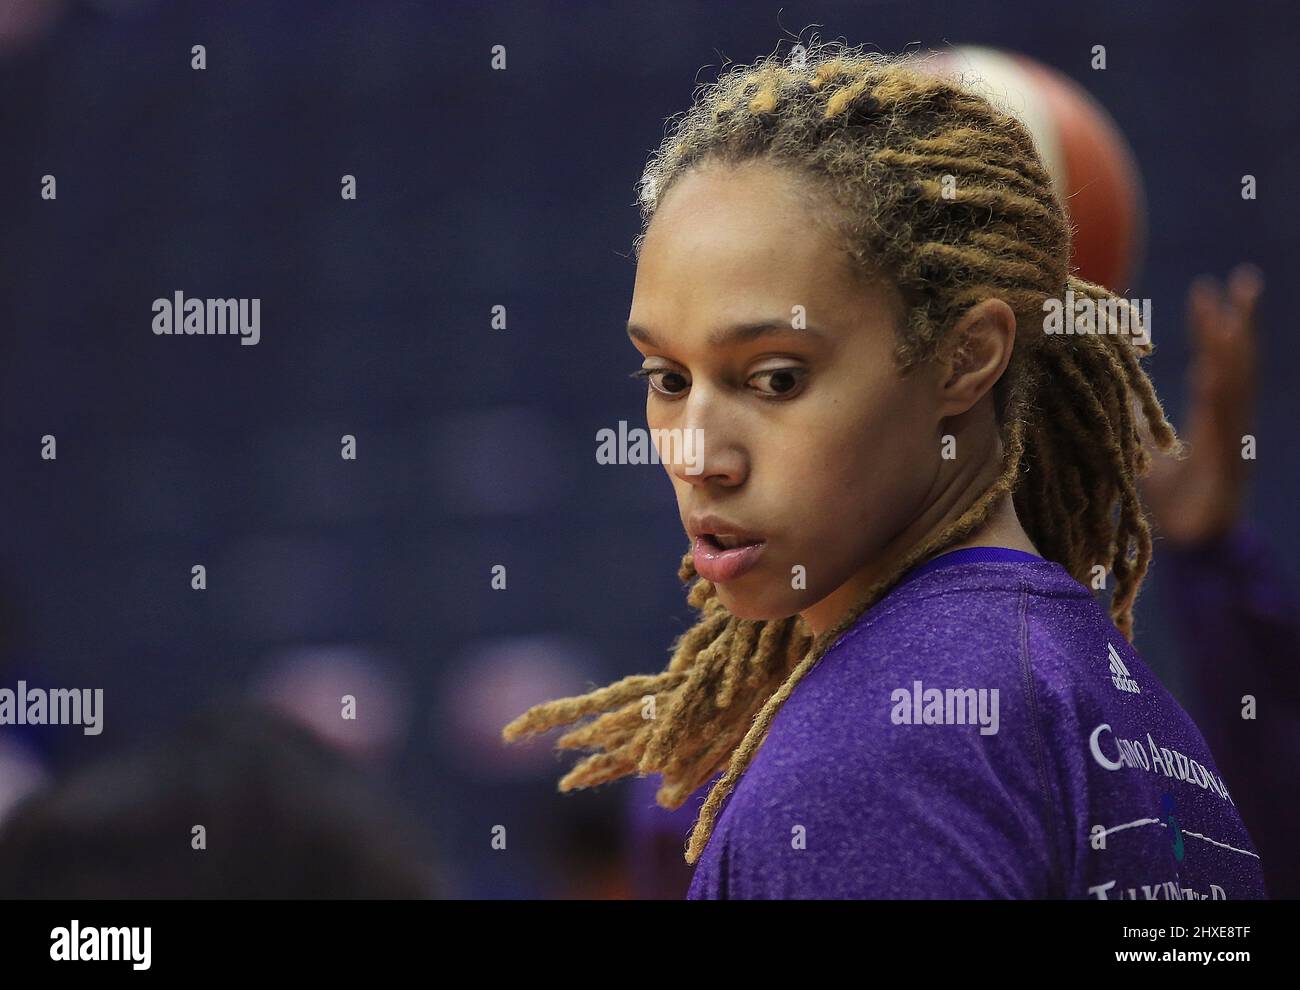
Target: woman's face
(762, 337)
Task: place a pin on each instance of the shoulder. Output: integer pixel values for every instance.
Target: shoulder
(913, 746)
(1029, 629)
(983, 605)
(971, 626)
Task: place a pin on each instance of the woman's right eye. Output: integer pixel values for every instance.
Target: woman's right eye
(665, 381)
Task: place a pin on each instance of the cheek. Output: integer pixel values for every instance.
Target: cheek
(680, 487)
(864, 469)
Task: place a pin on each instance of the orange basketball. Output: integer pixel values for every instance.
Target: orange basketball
(1090, 162)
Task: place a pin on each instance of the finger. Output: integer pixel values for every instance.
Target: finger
(1245, 285)
(1235, 358)
(1235, 337)
(1202, 308)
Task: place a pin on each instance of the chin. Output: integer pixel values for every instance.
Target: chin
(754, 607)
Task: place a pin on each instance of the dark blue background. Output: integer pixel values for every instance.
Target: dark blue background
(475, 447)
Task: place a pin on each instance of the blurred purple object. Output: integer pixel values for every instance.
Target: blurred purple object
(656, 840)
(496, 681)
(308, 685)
(24, 22)
(21, 773)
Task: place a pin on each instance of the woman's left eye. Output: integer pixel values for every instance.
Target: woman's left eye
(782, 382)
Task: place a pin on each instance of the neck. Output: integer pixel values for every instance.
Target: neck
(1001, 529)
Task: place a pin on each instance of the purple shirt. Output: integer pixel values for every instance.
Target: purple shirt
(982, 731)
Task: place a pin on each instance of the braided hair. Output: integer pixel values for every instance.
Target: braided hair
(937, 187)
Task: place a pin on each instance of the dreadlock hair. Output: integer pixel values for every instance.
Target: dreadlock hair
(884, 141)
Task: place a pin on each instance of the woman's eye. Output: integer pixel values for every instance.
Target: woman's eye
(665, 381)
(781, 382)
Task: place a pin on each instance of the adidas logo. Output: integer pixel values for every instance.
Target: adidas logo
(1119, 675)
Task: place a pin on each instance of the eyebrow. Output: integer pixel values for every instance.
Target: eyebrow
(741, 333)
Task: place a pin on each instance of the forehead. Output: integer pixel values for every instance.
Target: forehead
(738, 237)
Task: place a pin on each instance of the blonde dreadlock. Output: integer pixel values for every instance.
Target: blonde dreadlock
(883, 141)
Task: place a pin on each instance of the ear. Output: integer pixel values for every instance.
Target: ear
(981, 347)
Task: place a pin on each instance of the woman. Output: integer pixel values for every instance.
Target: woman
(908, 486)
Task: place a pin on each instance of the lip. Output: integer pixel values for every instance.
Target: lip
(709, 524)
(716, 564)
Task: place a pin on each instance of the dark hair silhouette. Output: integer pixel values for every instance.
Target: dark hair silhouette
(284, 817)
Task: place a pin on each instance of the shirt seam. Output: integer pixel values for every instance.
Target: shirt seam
(1040, 759)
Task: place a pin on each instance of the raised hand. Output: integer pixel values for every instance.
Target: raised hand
(1198, 496)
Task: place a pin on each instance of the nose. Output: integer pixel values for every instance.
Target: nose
(708, 449)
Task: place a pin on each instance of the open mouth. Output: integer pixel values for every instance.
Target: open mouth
(721, 542)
